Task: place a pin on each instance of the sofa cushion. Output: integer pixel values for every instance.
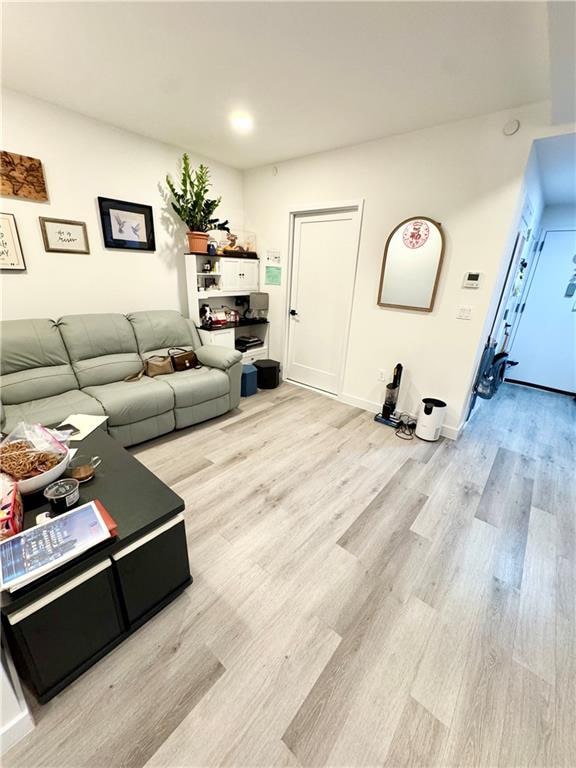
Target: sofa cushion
(194, 414)
(125, 402)
(158, 330)
(218, 357)
(196, 386)
(33, 361)
(51, 410)
(147, 429)
(102, 348)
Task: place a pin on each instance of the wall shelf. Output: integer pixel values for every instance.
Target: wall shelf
(223, 294)
(229, 255)
(244, 323)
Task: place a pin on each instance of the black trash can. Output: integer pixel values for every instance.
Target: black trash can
(268, 373)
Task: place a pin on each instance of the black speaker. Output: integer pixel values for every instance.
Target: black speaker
(268, 373)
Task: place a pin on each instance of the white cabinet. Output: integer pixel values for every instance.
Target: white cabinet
(230, 274)
(248, 275)
(239, 274)
(227, 338)
(260, 353)
(223, 338)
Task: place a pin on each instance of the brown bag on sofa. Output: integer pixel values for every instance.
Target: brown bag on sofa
(158, 365)
(183, 359)
(154, 366)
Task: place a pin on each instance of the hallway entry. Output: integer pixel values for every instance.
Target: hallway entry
(545, 342)
(323, 255)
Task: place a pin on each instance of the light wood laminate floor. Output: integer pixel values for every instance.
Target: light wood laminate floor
(358, 600)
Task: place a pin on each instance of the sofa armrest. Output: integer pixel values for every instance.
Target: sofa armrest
(218, 357)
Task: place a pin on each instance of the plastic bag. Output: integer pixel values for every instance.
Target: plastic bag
(11, 509)
(31, 449)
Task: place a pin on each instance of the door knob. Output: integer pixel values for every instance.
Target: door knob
(293, 312)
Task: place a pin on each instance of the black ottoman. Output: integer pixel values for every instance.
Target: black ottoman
(268, 373)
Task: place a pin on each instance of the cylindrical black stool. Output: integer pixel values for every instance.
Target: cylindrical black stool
(268, 373)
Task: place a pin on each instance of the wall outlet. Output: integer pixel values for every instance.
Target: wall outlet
(464, 312)
(381, 374)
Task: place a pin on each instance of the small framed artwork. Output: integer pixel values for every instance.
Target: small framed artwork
(64, 236)
(127, 225)
(22, 176)
(411, 265)
(11, 256)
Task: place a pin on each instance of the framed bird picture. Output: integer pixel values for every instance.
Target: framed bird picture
(127, 225)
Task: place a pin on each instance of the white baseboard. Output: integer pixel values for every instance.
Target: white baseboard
(452, 433)
(16, 729)
(359, 402)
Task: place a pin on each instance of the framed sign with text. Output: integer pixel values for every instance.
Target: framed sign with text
(11, 256)
(64, 236)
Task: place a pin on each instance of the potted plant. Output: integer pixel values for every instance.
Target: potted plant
(193, 207)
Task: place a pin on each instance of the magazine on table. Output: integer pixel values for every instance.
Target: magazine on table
(45, 547)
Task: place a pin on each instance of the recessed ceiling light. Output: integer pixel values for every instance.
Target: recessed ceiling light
(241, 122)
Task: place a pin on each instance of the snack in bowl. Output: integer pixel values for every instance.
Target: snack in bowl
(21, 460)
(32, 456)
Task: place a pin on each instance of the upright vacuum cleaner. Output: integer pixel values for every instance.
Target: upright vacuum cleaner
(388, 414)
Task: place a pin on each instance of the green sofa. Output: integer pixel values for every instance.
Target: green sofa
(79, 364)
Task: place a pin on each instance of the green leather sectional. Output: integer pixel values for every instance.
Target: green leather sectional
(50, 370)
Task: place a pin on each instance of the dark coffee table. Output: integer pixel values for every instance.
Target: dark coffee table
(64, 622)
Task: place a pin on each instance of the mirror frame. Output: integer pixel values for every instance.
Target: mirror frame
(438, 225)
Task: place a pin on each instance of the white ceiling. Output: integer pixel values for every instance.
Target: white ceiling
(314, 75)
(557, 166)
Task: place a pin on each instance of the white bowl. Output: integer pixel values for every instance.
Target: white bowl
(33, 484)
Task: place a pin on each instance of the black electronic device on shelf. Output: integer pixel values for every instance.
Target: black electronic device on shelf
(244, 343)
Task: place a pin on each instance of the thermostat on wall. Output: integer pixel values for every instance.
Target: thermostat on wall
(471, 280)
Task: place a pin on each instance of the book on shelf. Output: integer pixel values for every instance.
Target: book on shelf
(244, 343)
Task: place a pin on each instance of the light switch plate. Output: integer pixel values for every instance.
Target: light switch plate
(464, 312)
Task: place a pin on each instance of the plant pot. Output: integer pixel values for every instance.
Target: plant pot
(197, 242)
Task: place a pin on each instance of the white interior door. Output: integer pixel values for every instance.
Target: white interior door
(324, 253)
(545, 343)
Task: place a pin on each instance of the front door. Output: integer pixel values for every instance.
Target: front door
(324, 254)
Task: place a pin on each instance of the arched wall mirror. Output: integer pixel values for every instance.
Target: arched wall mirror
(411, 265)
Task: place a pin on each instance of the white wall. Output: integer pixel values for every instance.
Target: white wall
(531, 202)
(559, 217)
(465, 174)
(84, 159)
(527, 223)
